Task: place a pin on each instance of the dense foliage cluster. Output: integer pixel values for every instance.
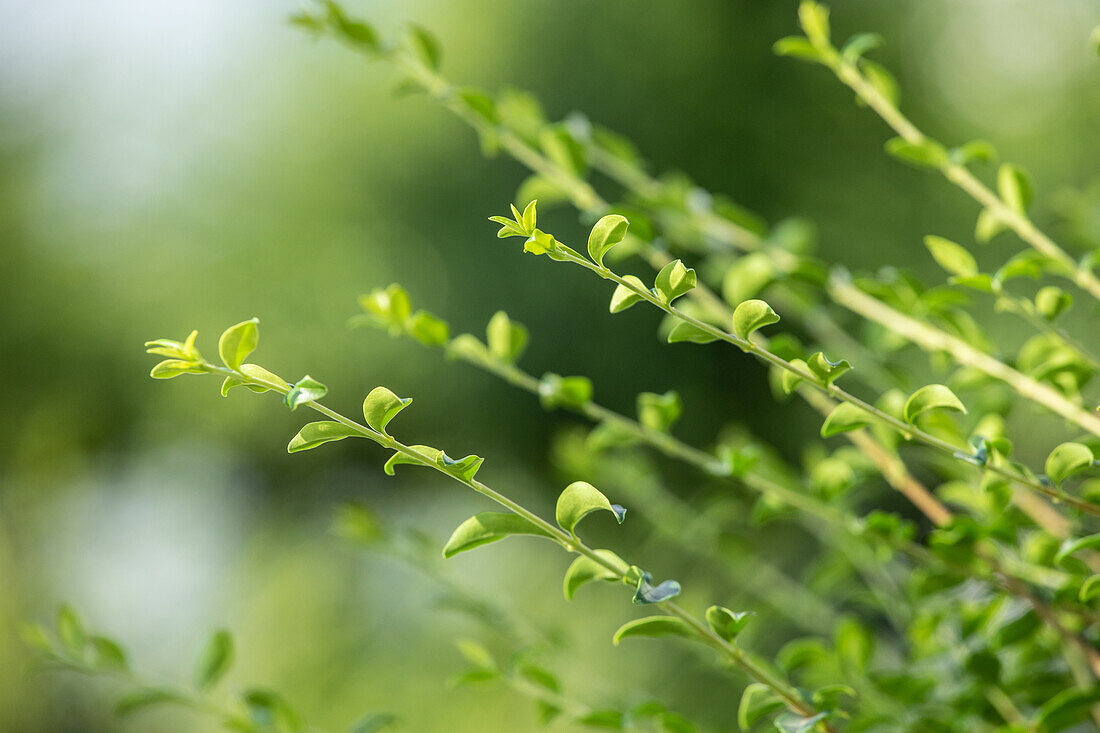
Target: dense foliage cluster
(985, 616)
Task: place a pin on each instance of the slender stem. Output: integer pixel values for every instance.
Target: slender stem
(569, 542)
(905, 429)
(961, 176)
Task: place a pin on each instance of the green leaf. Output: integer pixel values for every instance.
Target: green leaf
(424, 46)
(689, 332)
(653, 627)
(374, 722)
(975, 150)
(570, 392)
(578, 500)
(747, 277)
(108, 653)
(814, 19)
(270, 711)
(467, 347)
(70, 629)
(624, 297)
(674, 279)
(646, 594)
(659, 411)
(585, 570)
(381, 406)
(1089, 589)
(529, 218)
(797, 47)
(215, 661)
(306, 389)
(757, 701)
(988, 225)
(882, 80)
(790, 722)
(465, 468)
(1052, 301)
(237, 342)
(259, 374)
(859, 44)
(1066, 709)
(611, 719)
(174, 367)
(390, 307)
(486, 527)
(147, 697)
(608, 231)
(788, 380)
(926, 154)
(845, 417)
(1066, 460)
(751, 315)
(952, 257)
(398, 459)
(185, 350)
(825, 370)
(726, 623)
(931, 397)
(318, 433)
(506, 339)
(429, 329)
(1094, 40)
(1014, 186)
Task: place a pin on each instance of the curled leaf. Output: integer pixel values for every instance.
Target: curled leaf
(624, 297)
(726, 623)
(381, 406)
(578, 500)
(586, 570)
(238, 341)
(673, 280)
(652, 627)
(1068, 459)
(844, 418)
(608, 231)
(931, 397)
(318, 433)
(751, 315)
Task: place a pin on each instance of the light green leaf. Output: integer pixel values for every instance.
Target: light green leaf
(306, 389)
(751, 315)
(814, 19)
(215, 661)
(390, 306)
(429, 329)
(1066, 460)
(578, 500)
(467, 347)
(174, 367)
(237, 342)
(70, 629)
(879, 77)
(789, 381)
(184, 350)
(674, 279)
(318, 433)
(1052, 301)
(398, 459)
(952, 257)
(585, 570)
(726, 623)
(487, 527)
(859, 44)
(757, 701)
(506, 339)
(374, 723)
(975, 150)
(1014, 186)
(825, 370)
(653, 626)
(1094, 40)
(1089, 589)
(570, 392)
(796, 47)
(988, 225)
(108, 654)
(147, 697)
(926, 154)
(931, 397)
(747, 277)
(624, 297)
(844, 418)
(259, 374)
(689, 332)
(608, 231)
(465, 468)
(659, 411)
(381, 406)
(424, 46)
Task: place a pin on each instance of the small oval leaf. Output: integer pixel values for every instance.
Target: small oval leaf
(586, 570)
(653, 627)
(381, 406)
(216, 660)
(689, 332)
(506, 339)
(608, 231)
(751, 315)
(952, 257)
(931, 397)
(578, 500)
(1066, 460)
(318, 433)
(624, 297)
(238, 341)
(844, 418)
(726, 623)
(674, 279)
(487, 527)
(306, 389)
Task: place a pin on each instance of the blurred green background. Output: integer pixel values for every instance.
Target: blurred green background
(175, 165)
